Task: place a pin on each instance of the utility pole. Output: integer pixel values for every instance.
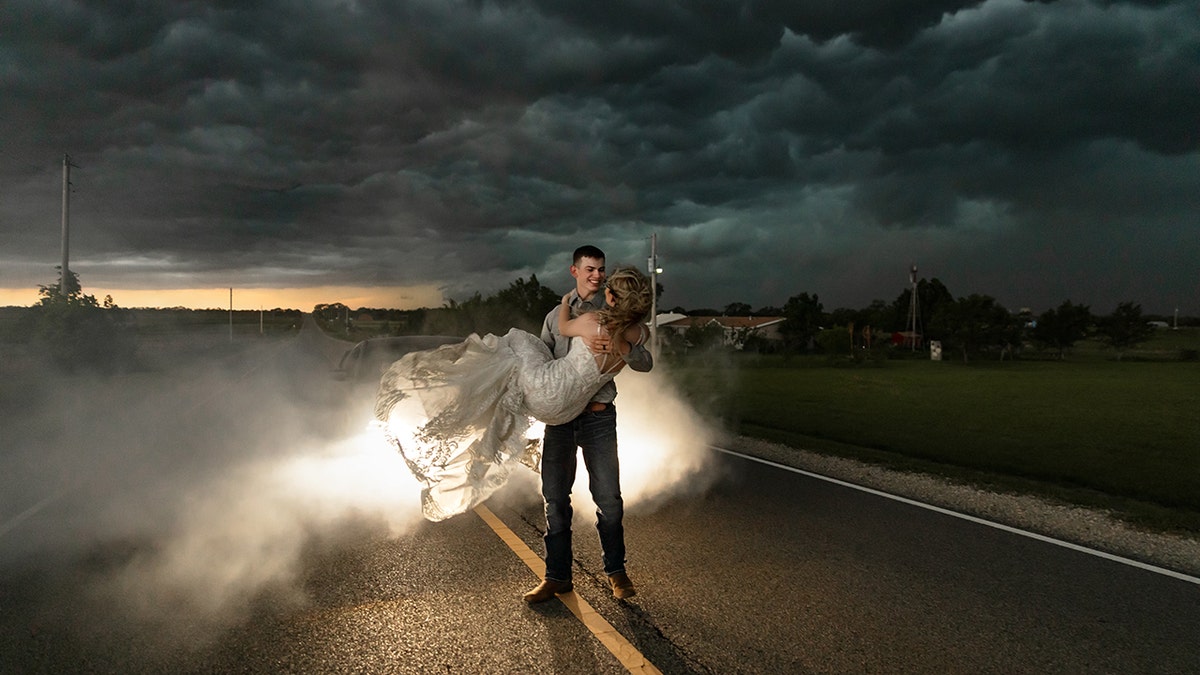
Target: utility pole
(654, 270)
(64, 285)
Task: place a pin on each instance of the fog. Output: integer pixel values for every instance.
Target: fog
(179, 495)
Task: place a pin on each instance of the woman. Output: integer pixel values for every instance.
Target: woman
(459, 414)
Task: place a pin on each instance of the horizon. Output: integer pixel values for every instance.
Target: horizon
(254, 300)
(247, 299)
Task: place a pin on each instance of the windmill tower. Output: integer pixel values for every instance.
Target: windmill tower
(913, 326)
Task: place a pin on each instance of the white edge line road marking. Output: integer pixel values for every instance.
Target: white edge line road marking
(629, 656)
(16, 520)
(999, 526)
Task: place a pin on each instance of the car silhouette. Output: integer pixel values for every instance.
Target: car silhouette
(367, 360)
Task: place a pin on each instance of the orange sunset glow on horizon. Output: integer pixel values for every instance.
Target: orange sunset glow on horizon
(304, 299)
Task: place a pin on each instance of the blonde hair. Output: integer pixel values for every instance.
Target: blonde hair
(631, 300)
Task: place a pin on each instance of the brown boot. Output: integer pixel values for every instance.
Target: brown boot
(547, 590)
(622, 587)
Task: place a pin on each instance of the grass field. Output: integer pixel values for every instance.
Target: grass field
(1118, 435)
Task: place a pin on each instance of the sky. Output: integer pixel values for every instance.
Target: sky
(401, 154)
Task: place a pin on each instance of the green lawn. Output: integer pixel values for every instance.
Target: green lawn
(1122, 435)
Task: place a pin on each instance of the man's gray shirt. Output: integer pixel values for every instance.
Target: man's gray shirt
(638, 357)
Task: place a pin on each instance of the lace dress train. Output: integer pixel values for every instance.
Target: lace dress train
(460, 414)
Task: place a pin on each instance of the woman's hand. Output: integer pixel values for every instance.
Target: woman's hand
(598, 342)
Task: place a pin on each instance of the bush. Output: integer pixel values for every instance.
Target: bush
(77, 333)
(842, 346)
(80, 337)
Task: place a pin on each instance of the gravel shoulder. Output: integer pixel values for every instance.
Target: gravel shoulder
(1093, 529)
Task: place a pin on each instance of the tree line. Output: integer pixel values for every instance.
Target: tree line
(522, 304)
(969, 326)
(78, 329)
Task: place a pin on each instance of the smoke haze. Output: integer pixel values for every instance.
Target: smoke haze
(185, 491)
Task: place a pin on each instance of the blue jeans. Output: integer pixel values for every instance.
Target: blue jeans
(596, 433)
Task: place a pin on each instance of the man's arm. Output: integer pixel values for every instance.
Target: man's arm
(548, 327)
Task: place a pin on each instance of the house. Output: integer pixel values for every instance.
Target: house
(736, 329)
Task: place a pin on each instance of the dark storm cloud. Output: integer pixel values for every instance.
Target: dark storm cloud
(775, 147)
(885, 24)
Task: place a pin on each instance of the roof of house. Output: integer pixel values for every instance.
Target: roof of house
(668, 317)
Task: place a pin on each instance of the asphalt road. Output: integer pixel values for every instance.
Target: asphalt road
(177, 558)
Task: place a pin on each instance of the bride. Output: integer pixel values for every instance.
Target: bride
(460, 414)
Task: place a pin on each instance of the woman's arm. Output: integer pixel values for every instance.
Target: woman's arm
(584, 324)
(636, 334)
(632, 350)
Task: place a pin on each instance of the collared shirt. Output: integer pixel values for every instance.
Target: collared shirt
(638, 358)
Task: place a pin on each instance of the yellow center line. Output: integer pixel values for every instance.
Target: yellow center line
(613, 641)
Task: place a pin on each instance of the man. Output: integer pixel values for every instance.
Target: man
(595, 431)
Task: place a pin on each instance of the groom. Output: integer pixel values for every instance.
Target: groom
(595, 431)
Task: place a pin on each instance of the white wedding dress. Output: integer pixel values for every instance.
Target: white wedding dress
(459, 414)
